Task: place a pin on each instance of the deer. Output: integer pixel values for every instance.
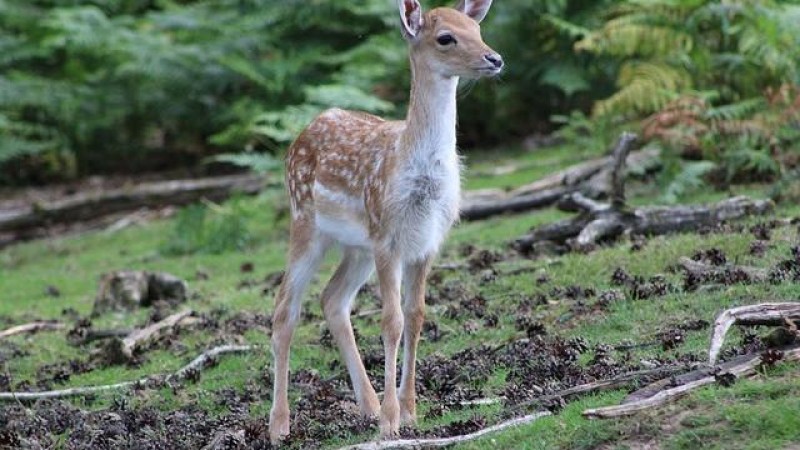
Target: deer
(386, 193)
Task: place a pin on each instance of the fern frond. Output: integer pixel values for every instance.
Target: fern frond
(645, 87)
(688, 179)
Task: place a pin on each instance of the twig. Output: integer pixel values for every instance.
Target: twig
(197, 364)
(444, 442)
(762, 314)
(122, 350)
(675, 393)
(617, 175)
(32, 327)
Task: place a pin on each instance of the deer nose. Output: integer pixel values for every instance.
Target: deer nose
(495, 59)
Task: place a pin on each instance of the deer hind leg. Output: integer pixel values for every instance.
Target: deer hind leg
(389, 270)
(414, 276)
(337, 299)
(306, 250)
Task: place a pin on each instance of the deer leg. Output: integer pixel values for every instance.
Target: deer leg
(337, 299)
(389, 274)
(306, 252)
(414, 276)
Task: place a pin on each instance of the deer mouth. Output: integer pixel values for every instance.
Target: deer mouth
(489, 71)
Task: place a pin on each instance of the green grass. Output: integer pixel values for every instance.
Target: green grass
(754, 414)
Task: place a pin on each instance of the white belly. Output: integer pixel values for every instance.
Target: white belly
(341, 217)
(347, 233)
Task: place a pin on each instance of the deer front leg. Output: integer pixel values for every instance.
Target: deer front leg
(389, 273)
(414, 276)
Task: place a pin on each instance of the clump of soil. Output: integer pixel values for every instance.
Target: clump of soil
(51, 423)
(641, 288)
(713, 256)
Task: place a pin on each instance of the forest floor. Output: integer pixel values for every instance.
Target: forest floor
(499, 326)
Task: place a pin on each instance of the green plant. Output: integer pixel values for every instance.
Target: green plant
(209, 228)
(669, 47)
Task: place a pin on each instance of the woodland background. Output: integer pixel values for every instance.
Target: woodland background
(129, 86)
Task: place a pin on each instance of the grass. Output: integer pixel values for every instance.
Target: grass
(754, 414)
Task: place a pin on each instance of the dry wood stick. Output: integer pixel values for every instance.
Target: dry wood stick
(668, 395)
(762, 314)
(122, 350)
(32, 327)
(444, 442)
(197, 364)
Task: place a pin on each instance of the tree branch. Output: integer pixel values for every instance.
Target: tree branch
(198, 363)
(32, 327)
(448, 441)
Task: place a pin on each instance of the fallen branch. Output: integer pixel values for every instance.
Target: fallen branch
(28, 222)
(597, 221)
(444, 442)
(589, 177)
(119, 351)
(32, 327)
(741, 370)
(763, 314)
(197, 364)
(707, 272)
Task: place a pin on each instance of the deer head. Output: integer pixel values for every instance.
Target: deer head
(447, 41)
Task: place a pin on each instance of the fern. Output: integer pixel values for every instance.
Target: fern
(260, 163)
(691, 177)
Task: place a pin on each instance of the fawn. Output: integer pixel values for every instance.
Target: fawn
(386, 192)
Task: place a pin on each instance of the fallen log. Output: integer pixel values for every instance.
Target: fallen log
(32, 327)
(27, 223)
(448, 441)
(120, 351)
(597, 221)
(589, 177)
(197, 364)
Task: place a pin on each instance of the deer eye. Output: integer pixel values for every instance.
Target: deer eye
(446, 39)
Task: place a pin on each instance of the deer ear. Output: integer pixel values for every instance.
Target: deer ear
(476, 9)
(410, 17)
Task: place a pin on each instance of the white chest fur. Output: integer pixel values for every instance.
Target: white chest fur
(423, 201)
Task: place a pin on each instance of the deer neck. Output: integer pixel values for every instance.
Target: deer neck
(430, 131)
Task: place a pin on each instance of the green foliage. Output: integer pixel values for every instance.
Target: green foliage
(592, 136)
(669, 47)
(260, 163)
(689, 178)
(209, 228)
(137, 85)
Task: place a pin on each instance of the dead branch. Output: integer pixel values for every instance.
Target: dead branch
(601, 221)
(713, 273)
(29, 222)
(445, 442)
(481, 208)
(120, 351)
(32, 327)
(762, 314)
(741, 370)
(197, 364)
(597, 221)
(591, 177)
